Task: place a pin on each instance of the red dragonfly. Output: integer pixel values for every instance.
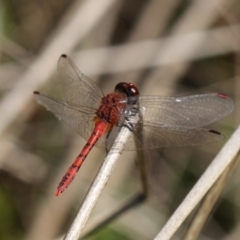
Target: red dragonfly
(162, 121)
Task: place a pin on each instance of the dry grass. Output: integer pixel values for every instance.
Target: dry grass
(164, 47)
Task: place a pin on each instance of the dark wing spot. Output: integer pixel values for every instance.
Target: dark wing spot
(216, 132)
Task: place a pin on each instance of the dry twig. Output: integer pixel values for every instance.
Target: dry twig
(215, 169)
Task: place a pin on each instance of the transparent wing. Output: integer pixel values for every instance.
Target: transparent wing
(148, 137)
(191, 111)
(78, 89)
(79, 119)
(169, 121)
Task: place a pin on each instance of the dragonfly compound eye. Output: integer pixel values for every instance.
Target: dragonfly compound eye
(130, 90)
(121, 87)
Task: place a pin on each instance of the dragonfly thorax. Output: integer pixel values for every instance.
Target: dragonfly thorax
(111, 108)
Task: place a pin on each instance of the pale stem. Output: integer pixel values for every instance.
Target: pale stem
(215, 169)
(208, 203)
(97, 186)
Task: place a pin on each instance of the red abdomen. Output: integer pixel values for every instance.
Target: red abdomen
(100, 128)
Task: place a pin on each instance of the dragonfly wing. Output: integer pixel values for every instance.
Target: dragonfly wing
(192, 111)
(81, 120)
(149, 137)
(78, 89)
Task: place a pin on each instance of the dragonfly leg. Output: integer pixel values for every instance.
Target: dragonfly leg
(129, 125)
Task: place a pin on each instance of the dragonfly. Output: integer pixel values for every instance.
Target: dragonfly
(161, 121)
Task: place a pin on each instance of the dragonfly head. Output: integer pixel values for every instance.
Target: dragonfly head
(130, 90)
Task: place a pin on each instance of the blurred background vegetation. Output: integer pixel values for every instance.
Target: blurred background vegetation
(175, 47)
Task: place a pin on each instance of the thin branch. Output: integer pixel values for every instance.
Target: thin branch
(209, 202)
(44, 65)
(115, 213)
(14, 50)
(139, 55)
(216, 168)
(97, 186)
(200, 14)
